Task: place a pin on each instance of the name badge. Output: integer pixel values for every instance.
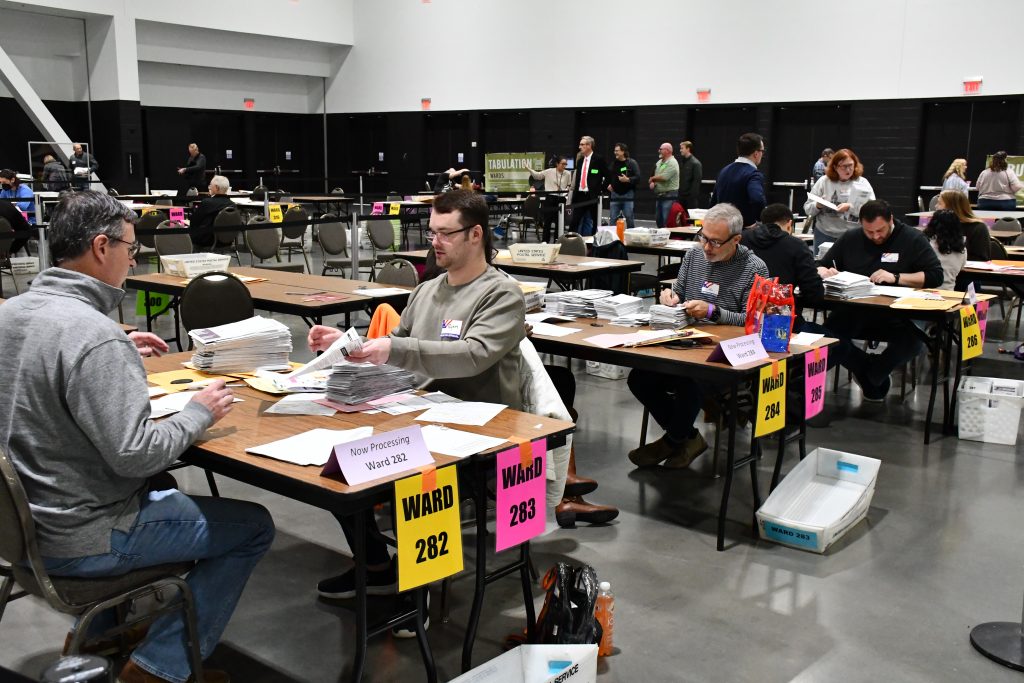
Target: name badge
(710, 289)
(890, 257)
(593, 170)
(451, 329)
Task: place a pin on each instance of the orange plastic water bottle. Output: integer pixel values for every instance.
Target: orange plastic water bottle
(604, 610)
(620, 227)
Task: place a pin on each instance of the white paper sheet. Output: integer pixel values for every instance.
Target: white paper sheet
(457, 443)
(804, 338)
(310, 448)
(381, 291)
(335, 353)
(476, 413)
(549, 330)
(545, 317)
(169, 404)
(593, 264)
(300, 404)
(822, 201)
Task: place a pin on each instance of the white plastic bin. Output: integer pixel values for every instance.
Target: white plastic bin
(824, 496)
(606, 370)
(538, 664)
(646, 237)
(989, 409)
(191, 265)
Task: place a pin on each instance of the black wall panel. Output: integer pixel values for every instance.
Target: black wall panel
(714, 131)
(971, 130)
(798, 134)
(886, 137)
(606, 126)
(552, 132)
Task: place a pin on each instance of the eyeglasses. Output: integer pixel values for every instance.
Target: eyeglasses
(446, 236)
(717, 244)
(848, 167)
(133, 247)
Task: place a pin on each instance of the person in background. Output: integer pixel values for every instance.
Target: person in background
(13, 189)
(998, 186)
(691, 173)
(665, 183)
(740, 183)
(975, 232)
(82, 165)
(623, 177)
(556, 179)
(201, 225)
(17, 220)
(845, 186)
(786, 256)
(943, 233)
(713, 284)
(449, 180)
(889, 253)
(589, 179)
(955, 177)
(55, 176)
(821, 164)
(193, 172)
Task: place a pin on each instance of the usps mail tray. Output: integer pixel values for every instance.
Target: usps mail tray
(824, 496)
(534, 253)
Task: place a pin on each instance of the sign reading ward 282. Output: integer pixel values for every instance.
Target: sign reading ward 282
(506, 172)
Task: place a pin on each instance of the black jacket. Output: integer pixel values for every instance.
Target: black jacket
(200, 227)
(195, 171)
(787, 258)
(626, 167)
(597, 176)
(691, 172)
(906, 251)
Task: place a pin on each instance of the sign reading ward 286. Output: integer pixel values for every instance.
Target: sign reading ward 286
(507, 172)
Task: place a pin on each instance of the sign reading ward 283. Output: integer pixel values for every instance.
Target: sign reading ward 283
(507, 172)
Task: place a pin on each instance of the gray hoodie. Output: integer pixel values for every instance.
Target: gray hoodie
(74, 416)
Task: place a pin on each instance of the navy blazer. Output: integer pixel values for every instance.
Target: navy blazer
(741, 185)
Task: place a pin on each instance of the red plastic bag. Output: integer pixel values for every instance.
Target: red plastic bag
(771, 310)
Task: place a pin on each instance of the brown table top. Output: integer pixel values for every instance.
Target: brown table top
(562, 265)
(246, 426)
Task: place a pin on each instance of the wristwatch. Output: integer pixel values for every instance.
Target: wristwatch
(897, 276)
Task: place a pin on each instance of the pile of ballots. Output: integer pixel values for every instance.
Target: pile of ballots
(847, 285)
(354, 383)
(242, 347)
(619, 305)
(577, 304)
(669, 317)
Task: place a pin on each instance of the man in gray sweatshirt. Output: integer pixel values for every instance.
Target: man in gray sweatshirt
(460, 332)
(75, 422)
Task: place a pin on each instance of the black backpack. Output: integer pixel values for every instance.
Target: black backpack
(568, 613)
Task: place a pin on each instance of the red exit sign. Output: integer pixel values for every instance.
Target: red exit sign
(972, 85)
(249, 103)
(703, 94)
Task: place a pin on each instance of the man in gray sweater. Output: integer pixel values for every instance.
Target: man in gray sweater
(460, 332)
(75, 422)
(712, 286)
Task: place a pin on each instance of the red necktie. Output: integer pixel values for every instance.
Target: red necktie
(583, 180)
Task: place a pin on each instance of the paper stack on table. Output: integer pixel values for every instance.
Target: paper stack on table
(361, 382)
(669, 317)
(620, 304)
(243, 346)
(632, 319)
(578, 304)
(847, 285)
(533, 294)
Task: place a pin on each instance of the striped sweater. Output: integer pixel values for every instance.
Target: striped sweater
(733, 278)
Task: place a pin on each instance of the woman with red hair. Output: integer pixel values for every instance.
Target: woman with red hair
(845, 186)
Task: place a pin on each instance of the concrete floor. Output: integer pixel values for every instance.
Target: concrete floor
(894, 600)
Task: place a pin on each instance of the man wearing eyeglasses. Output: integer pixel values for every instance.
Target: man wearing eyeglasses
(460, 333)
(712, 287)
(741, 183)
(75, 423)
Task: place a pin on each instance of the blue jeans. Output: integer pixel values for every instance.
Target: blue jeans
(226, 538)
(623, 203)
(997, 204)
(819, 239)
(661, 210)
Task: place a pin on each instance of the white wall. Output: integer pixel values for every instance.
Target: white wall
(49, 52)
(467, 54)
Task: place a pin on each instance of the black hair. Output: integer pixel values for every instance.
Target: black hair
(624, 147)
(875, 209)
(998, 162)
(944, 227)
(472, 209)
(748, 144)
(776, 213)
(80, 217)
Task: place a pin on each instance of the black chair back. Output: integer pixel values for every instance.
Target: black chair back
(213, 299)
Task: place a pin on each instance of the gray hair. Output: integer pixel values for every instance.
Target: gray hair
(587, 138)
(725, 213)
(220, 182)
(80, 217)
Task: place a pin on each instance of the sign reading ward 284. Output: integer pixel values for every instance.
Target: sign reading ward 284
(507, 172)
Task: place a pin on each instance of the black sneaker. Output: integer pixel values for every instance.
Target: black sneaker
(873, 393)
(408, 630)
(343, 586)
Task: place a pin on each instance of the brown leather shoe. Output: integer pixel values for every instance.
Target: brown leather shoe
(578, 486)
(133, 637)
(654, 452)
(574, 509)
(133, 673)
(694, 446)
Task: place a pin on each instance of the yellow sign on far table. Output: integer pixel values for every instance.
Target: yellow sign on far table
(394, 209)
(428, 528)
(275, 214)
(771, 399)
(970, 333)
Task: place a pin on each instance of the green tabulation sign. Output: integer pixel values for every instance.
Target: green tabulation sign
(507, 172)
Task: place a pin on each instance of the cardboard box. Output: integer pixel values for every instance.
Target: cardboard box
(191, 265)
(606, 370)
(534, 253)
(24, 265)
(538, 664)
(824, 496)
